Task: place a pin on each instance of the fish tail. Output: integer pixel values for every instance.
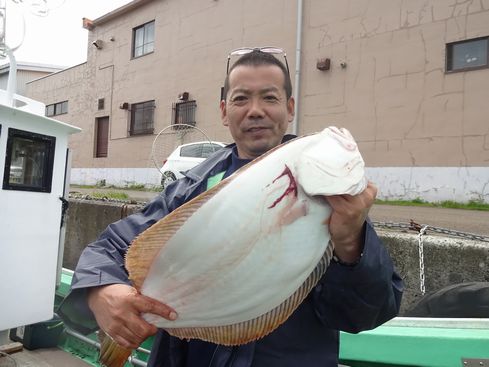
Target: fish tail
(111, 353)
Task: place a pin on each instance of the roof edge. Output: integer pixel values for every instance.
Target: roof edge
(91, 24)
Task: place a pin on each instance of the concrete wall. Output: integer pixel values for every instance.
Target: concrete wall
(447, 260)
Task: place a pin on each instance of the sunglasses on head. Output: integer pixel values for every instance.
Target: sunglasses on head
(267, 49)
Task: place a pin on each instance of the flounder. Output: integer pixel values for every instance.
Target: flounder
(237, 260)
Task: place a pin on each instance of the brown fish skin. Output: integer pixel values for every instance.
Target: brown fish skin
(111, 353)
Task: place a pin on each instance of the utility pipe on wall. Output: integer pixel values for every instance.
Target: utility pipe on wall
(298, 49)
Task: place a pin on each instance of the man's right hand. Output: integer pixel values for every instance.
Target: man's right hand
(118, 308)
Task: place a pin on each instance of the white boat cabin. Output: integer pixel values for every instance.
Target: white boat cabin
(33, 178)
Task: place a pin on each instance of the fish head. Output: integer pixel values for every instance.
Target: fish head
(332, 165)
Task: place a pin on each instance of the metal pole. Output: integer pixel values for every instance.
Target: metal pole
(298, 49)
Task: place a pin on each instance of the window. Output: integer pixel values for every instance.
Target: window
(101, 137)
(29, 161)
(208, 149)
(142, 118)
(184, 112)
(191, 151)
(101, 104)
(467, 55)
(143, 39)
(57, 108)
(200, 150)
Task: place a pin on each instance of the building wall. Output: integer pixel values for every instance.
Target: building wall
(22, 78)
(394, 93)
(423, 132)
(192, 40)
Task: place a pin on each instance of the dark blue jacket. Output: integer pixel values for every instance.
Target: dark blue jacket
(351, 299)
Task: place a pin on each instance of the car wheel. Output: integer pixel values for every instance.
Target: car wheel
(167, 178)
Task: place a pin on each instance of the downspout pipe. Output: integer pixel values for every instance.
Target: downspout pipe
(12, 77)
(297, 78)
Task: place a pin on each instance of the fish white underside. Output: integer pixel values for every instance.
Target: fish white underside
(239, 256)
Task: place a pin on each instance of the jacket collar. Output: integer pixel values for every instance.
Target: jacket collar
(218, 162)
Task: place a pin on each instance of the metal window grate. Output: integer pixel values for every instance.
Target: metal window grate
(101, 103)
(184, 112)
(142, 118)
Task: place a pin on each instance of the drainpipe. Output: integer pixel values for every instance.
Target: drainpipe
(298, 42)
(12, 77)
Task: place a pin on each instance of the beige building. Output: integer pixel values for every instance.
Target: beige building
(409, 79)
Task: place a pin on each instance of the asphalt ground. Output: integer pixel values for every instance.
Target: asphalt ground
(470, 221)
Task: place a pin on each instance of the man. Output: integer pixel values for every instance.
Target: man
(359, 291)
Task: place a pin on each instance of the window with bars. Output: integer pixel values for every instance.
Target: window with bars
(55, 109)
(142, 118)
(467, 55)
(101, 104)
(184, 112)
(143, 39)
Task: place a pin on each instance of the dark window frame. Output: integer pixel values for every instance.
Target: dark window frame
(144, 43)
(449, 56)
(101, 104)
(48, 163)
(146, 107)
(184, 112)
(57, 108)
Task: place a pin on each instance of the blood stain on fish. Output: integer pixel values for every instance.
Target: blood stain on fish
(292, 188)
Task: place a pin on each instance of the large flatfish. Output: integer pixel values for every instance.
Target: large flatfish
(237, 260)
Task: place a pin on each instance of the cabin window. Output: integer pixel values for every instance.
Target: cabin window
(142, 118)
(184, 112)
(55, 109)
(29, 161)
(143, 38)
(467, 55)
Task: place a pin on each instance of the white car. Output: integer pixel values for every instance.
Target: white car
(185, 157)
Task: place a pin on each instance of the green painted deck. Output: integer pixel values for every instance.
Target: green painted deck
(421, 342)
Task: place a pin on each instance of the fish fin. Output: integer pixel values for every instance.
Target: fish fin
(111, 353)
(247, 331)
(148, 244)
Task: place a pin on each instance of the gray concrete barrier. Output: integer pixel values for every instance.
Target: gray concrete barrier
(86, 219)
(446, 260)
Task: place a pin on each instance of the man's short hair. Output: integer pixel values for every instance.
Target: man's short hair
(259, 58)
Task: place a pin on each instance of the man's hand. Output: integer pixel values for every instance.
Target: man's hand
(117, 309)
(347, 221)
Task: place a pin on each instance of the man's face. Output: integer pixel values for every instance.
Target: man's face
(256, 109)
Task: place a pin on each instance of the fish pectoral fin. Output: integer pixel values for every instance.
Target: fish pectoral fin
(111, 353)
(298, 210)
